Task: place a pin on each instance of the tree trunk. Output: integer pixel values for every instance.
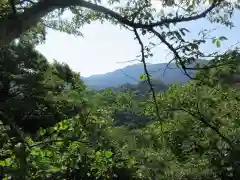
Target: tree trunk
(12, 26)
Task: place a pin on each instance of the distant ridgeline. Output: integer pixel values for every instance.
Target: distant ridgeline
(142, 88)
(130, 75)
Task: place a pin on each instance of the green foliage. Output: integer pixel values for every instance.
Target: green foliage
(32, 89)
(144, 77)
(53, 128)
(217, 41)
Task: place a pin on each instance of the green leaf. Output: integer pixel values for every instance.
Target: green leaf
(222, 38)
(6, 162)
(218, 44)
(54, 169)
(63, 125)
(98, 154)
(2, 163)
(142, 76)
(178, 35)
(153, 44)
(194, 46)
(182, 31)
(108, 154)
(214, 41)
(144, 32)
(42, 131)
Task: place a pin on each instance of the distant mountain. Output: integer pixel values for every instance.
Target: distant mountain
(130, 75)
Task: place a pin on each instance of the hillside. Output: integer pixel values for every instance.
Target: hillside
(130, 75)
(142, 88)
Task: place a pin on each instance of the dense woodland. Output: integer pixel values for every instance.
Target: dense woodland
(54, 127)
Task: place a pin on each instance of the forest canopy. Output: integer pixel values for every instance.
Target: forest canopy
(54, 127)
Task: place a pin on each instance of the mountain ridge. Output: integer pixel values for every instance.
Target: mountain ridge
(165, 72)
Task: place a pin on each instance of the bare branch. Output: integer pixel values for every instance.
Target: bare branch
(148, 75)
(129, 76)
(177, 56)
(167, 66)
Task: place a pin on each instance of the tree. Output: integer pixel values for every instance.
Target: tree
(51, 128)
(34, 93)
(34, 11)
(197, 136)
(199, 124)
(22, 15)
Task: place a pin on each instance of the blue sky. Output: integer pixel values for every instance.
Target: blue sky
(105, 47)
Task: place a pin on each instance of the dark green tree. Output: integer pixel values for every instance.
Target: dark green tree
(34, 93)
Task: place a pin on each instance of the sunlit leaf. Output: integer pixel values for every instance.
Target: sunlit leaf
(108, 154)
(218, 43)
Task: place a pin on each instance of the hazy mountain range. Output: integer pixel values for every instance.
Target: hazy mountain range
(130, 75)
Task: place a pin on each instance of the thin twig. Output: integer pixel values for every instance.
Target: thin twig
(202, 118)
(148, 75)
(129, 76)
(167, 66)
(177, 56)
(57, 140)
(86, 118)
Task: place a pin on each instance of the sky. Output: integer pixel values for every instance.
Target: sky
(105, 47)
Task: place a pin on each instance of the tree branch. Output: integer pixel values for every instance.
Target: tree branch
(58, 140)
(12, 27)
(177, 56)
(199, 116)
(148, 75)
(124, 20)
